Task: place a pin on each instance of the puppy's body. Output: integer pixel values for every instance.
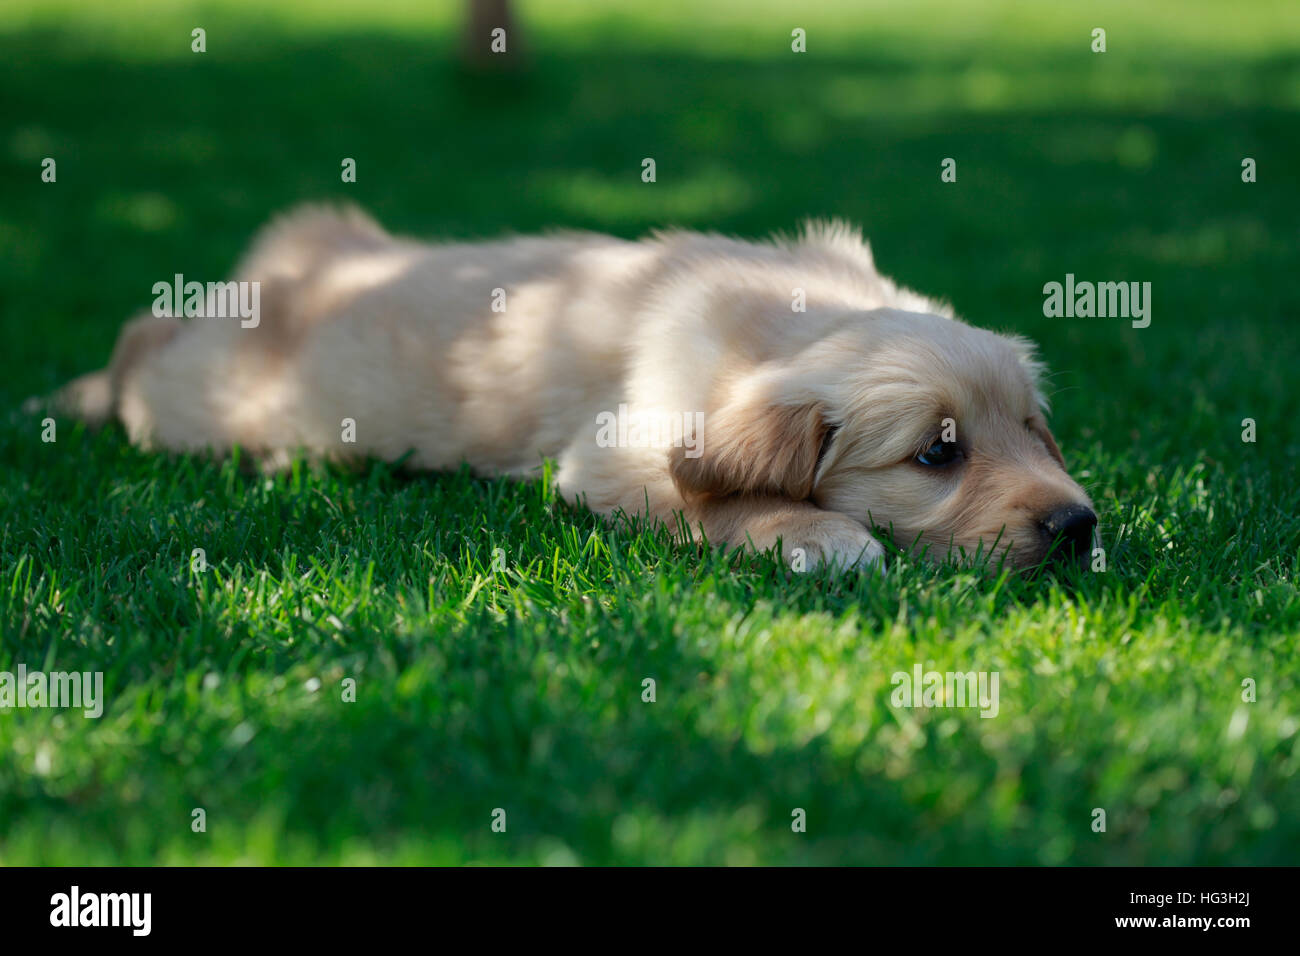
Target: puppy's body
(502, 353)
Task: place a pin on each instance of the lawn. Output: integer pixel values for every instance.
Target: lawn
(498, 639)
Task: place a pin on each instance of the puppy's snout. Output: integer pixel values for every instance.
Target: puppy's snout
(1068, 531)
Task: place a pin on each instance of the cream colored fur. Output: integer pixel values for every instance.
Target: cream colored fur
(401, 337)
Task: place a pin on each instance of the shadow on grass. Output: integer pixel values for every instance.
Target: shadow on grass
(482, 718)
(168, 167)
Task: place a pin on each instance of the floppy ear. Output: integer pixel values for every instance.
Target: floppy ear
(757, 448)
(1039, 428)
(1036, 370)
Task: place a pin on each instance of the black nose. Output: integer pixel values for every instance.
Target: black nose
(1068, 532)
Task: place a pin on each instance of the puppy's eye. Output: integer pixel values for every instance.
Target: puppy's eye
(939, 454)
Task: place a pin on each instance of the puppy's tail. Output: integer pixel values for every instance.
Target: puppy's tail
(88, 398)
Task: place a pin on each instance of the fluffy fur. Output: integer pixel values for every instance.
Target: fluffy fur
(811, 420)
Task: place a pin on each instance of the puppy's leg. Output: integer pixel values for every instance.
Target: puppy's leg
(820, 538)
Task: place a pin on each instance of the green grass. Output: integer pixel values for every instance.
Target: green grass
(518, 684)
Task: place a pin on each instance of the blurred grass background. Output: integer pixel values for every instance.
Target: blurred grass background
(489, 687)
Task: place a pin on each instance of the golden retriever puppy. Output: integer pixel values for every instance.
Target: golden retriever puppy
(776, 392)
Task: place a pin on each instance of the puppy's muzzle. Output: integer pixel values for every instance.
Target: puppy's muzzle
(1068, 531)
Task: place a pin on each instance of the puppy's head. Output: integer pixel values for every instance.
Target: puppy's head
(915, 423)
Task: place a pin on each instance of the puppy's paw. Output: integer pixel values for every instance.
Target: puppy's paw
(835, 542)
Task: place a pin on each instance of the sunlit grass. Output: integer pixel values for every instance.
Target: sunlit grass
(500, 639)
